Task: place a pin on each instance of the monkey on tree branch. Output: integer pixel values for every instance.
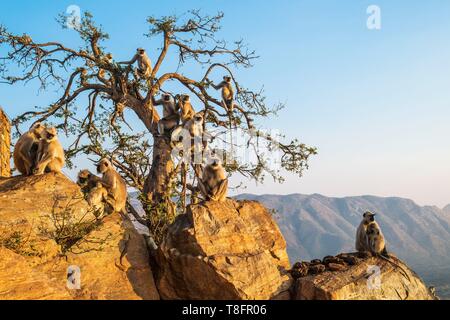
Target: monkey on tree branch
(90, 75)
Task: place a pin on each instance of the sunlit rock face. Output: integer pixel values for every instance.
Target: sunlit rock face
(347, 277)
(41, 219)
(5, 136)
(223, 250)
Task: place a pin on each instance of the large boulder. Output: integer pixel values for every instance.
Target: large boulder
(228, 250)
(372, 278)
(46, 227)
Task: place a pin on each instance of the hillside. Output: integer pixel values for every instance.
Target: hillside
(316, 226)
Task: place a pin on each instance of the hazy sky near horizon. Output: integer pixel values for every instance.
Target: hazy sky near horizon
(376, 103)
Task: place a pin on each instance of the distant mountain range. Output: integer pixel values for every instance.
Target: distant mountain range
(315, 226)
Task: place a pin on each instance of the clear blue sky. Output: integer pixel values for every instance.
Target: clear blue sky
(375, 103)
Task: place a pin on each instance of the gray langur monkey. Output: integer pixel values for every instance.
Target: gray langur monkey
(101, 75)
(171, 118)
(227, 92)
(193, 126)
(97, 197)
(116, 186)
(50, 154)
(375, 239)
(377, 245)
(144, 69)
(87, 180)
(361, 244)
(25, 150)
(187, 112)
(214, 184)
(84, 77)
(108, 58)
(25, 39)
(168, 103)
(189, 137)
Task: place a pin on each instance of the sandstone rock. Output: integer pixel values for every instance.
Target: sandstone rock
(5, 140)
(34, 266)
(229, 250)
(349, 259)
(355, 283)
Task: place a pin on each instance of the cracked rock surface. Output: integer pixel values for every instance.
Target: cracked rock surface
(228, 250)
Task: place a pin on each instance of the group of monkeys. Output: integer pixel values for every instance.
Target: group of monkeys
(212, 182)
(182, 110)
(369, 238)
(105, 194)
(39, 151)
(144, 70)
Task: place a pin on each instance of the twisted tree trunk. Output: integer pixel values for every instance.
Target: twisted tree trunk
(157, 190)
(158, 182)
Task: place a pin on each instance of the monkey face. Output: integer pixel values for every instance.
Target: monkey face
(369, 217)
(167, 97)
(103, 166)
(141, 51)
(37, 128)
(198, 118)
(215, 164)
(81, 180)
(372, 230)
(185, 98)
(227, 78)
(50, 134)
(83, 176)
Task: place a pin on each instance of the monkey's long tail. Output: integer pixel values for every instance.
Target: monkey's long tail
(396, 265)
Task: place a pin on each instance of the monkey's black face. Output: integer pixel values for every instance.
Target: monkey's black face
(215, 164)
(167, 98)
(82, 180)
(50, 136)
(372, 230)
(141, 52)
(198, 118)
(185, 98)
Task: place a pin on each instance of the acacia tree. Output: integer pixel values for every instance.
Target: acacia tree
(144, 158)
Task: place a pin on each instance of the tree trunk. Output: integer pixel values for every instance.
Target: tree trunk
(157, 189)
(158, 182)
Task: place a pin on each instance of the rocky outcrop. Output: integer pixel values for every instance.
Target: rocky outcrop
(352, 277)
(45, 227)
(229, 250)
(5, 140)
